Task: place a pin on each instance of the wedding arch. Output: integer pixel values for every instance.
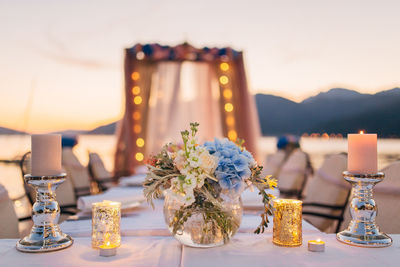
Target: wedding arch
(168, 87)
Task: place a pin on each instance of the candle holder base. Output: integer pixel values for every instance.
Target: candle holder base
(39, 241)
(379, 240)
(45, 235)
(362, 230)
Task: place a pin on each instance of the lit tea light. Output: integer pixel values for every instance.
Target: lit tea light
(316, 245)
(287, 222)
(106, 218)
(107, 250)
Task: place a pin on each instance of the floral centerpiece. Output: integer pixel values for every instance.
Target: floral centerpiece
(202, 185)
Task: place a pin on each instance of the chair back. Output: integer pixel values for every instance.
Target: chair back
(387, 198)
(99, 173)
(78, 174)
(327, 187)
(8, 217)
(274, 163)
(293, 173)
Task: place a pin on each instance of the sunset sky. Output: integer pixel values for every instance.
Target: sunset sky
(68, 55)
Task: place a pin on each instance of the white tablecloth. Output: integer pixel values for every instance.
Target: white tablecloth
(134, 251)
(243, 250)
(258, 250)
(147, 242)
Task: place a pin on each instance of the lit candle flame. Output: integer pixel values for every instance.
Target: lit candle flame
(318, 240)
(361, 132)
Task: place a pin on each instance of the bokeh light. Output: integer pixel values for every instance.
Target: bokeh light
(136, 90)
(136, 115)
(135, 76)
(227, 93)
(224, 66)
(232, 135)
(137, 100)
(137, 129)
(139, 156)
(223, 79)
(140, 142)
(230, 120)
(228, 107)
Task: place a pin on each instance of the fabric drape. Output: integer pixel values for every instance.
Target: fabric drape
(166, 88)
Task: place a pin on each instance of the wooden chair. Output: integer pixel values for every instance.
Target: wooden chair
(293, 174)
(99, 173)
(8, 216)
(78, 173)
(274, 163)
(65, 192)
(327, 194)
(387, 198)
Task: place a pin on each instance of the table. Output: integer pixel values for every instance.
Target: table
(243, 250)
(145, 221)
(147, 242)
(134, 251)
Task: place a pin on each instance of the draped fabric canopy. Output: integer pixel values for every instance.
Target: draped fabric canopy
(166, 88)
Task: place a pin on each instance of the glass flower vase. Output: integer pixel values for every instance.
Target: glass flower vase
(203, 226)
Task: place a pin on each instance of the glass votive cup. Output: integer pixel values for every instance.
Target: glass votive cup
(287, 230)
(106, 219)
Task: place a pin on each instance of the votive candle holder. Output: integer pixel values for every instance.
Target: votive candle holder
(106, 219)
(287, 230)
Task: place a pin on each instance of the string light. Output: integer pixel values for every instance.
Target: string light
(137, 128)
(140, 55)
(228, 107)
(230, 121)
(135, 76)
(224, 66)
(137, 100)
(227, 93)
(223, 79)
(140, 142)
(232, 135)
(139, 156)
(136, 115)
(136, 90)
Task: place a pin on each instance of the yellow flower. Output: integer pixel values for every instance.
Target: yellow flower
(272, 182)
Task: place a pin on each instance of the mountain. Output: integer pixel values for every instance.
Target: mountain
(10, 131)
(105, 129)
(334, 93)
(70, 132)
(335, 111)
(338, 110)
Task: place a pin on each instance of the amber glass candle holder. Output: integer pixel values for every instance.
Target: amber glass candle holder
(287, 222)
(106, 219)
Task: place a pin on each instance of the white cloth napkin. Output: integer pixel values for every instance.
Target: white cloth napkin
(251, 199)
(127, 196)
(134, 180)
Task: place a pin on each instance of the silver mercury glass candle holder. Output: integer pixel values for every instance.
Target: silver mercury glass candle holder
(46, 234)
(362, 230)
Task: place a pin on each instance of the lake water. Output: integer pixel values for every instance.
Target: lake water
(13, 146)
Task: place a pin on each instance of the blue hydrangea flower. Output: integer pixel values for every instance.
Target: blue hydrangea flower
(233, 164)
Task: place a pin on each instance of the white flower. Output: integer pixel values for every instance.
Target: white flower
(180, 160)
(190, 182)
(194, 160)
(200, 180)
(208, 162)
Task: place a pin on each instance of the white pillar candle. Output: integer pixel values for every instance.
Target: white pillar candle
(362, 153)
(46, 154)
